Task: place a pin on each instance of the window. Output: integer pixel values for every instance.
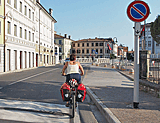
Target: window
(87, 50)
(15, 30)
(20, 32)
(0, 2)
(82, 50)
(0, 27)
(33, 16)
(82, 44)
(97, 50)
(101, 50)
(55, 49)
(140, 43)
(78, 51)
(92, 44)
(60, 49)
(96, 44)
(29, 13)
(29, 36)
(87, 44)
(78, 44)
(9, 1)
(15, 4)
(157, 44)
(25, 34)
(33, 37)
(101, 44)
(25, 10)
(73, 45)
(9, 27)
(92, 50)
(149, 43)
(20, 8)
(60, 41)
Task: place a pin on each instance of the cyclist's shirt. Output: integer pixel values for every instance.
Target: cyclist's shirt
(72, 69)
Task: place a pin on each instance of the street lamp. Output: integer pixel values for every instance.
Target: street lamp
(116, 39)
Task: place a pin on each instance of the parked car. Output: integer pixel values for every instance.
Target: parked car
(67, 60)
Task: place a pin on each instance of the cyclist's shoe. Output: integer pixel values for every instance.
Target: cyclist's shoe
(67, 104)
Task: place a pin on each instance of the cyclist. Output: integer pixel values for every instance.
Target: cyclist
(72, 70)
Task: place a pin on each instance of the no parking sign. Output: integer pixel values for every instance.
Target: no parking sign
(138, 11)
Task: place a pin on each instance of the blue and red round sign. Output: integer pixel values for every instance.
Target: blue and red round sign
(138, 11)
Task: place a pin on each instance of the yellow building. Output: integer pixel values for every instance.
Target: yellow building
(2, 35)
(88, 48)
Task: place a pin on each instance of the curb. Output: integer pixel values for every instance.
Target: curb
(109, 116)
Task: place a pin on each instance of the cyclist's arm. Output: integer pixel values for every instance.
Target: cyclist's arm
(81, 68)
(64, 68)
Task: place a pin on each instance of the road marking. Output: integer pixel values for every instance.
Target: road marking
(32, 76)
(86, 73)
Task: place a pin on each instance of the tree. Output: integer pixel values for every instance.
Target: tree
(112, 56)
(155, 29)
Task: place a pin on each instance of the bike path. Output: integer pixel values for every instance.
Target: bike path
(113, 94)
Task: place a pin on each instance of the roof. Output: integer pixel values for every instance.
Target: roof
(95, 39)
(59, 36)
(130, 51)
(47, 12)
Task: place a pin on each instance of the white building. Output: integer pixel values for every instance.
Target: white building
(24, 40)
(64, 45)
(20, 34)
(44, 36)
(56, 57)
(150, 44)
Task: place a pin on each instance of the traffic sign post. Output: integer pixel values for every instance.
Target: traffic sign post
(137, 11)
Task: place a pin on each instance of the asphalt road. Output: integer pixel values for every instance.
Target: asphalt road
(42, 85)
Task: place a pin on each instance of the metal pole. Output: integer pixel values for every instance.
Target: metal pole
(136, 70)
(144, 35)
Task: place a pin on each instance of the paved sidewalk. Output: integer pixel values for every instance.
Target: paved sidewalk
(113, 94)
(37, 112)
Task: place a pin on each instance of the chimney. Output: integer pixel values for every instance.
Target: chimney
(69, 37)
(50, 11)
(95, 37)
(38, 1)
(65, 35)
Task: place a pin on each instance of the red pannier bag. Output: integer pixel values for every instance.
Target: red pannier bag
(81, 93)
(65, 92)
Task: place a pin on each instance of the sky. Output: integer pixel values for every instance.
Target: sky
(82, 19)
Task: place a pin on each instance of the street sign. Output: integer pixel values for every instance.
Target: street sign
(138, 11)
(137, 29)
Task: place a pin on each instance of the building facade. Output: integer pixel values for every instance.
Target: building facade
(64, 45)
(44, 36)
(2, 34)
(98, 47)
(149, 44)
(29, 35)
(19, 34)
(56, 57)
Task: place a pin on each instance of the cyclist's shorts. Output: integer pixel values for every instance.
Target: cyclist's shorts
(76, 76)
